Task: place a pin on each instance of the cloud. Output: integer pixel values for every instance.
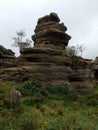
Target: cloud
(80, 17)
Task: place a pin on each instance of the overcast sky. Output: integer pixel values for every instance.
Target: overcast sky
(80, 17)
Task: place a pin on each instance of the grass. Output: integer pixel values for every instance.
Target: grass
(47, 108)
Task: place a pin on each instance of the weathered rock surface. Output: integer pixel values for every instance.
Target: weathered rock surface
(52, 17)
(6, 53)
(94, 67)
(49, 33)
(83, 76)
(50, 62)
(53, 56)
(7, 57)
(83, 87)
(49, 66)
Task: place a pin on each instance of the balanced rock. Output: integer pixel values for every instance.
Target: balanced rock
(50, 33)
(48, 61)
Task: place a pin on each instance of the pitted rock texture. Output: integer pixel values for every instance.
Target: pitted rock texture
(6, 53)
(83, 76)
(48, 61)
(7, 57)
(49, 33)
(49, 66)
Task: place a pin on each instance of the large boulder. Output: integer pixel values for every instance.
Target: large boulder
(83, 76)
(6, 53)
(7, 57)
(84, 87)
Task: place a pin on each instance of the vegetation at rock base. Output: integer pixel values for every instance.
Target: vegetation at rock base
(34, 106)
(47, 108)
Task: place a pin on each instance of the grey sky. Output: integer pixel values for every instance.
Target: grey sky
(80, 17)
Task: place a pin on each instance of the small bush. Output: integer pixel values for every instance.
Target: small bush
(38, 99)
(50, 92)
(59, 92)
(29, 88)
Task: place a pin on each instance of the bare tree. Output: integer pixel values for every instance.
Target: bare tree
(76, 50)
(19, 40)
(81, 48)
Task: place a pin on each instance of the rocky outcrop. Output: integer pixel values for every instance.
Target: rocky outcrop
(94, 67)
(83, 76)
(48, 61)
(7, 57)
(49, 33)
(6, 53)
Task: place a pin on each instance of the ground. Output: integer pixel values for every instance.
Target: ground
(47, 108)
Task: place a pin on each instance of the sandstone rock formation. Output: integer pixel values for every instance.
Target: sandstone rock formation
(49, 33)
(95, 69)
(49, 60)
(83, 76)
(6, 57)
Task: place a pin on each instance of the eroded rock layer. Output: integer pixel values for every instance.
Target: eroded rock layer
(48, 60)
(49, 33)
(7, 57)
(83, 77)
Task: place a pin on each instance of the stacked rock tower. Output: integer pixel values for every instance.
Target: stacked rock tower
(49, 60)
(50, 33)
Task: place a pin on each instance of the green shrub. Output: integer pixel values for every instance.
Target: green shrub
(59, 92)
(30, 88)
(50, 92)
(38, 99)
